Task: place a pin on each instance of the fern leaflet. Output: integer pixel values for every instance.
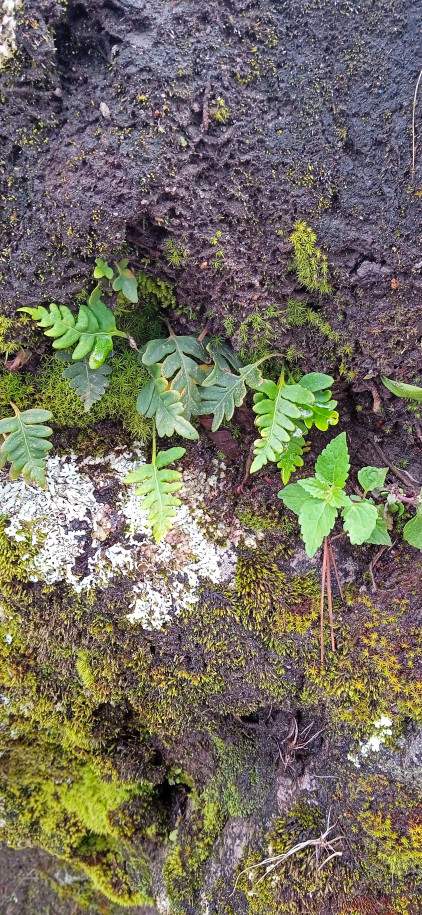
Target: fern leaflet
(223, 391)
(89, 384)
(92, 330)
(158, 485)
(279, 408)
(178, 365)
(26, 444)
(159, 400)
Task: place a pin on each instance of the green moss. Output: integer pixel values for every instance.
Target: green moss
(156, 293)
(295, 885)
(309, 262)
(14, 556)
(219, 111)
(272, 602)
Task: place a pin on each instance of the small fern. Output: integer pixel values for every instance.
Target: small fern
(157, 400)
(26, 444)
(158, 485)
(89, 384)
(179, 365)
(92, 330)
(224, 391)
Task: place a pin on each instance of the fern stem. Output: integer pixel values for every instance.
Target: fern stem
(154, 442)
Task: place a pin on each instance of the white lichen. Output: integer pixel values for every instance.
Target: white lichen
(68, 522)
(8, 9)
(375, 742)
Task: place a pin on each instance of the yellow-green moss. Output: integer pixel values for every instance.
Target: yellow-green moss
(309, 262)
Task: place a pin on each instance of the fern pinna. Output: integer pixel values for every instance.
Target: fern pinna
(158, 485)
(26, 444)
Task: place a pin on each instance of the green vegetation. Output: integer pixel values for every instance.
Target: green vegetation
(309, 262)
(26, 444)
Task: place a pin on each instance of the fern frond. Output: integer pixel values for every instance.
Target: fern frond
(291, 457)
(178, 365)
(158, 485)
(92, 330)
(89, 384)
(223, 391)
(26, 444)
(157, 399)
(322, 412)
(279, 408)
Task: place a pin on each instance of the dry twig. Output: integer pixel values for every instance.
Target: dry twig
(415, 97)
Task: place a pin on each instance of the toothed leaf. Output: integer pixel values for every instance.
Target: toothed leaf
(412, 531)
(333, 463)
(359, 520)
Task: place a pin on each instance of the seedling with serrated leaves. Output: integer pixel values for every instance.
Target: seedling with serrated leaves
(317, 501)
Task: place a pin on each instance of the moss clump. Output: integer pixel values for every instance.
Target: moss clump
(295, 885)
(15, 556)
(309, 262)
(156, 293)
(271, 601)
(219, 111)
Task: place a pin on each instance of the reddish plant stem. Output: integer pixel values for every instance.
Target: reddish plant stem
(335, 569)
(324, 571)
(330, 597)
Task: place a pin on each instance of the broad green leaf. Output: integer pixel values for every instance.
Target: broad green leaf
(380, 535)
(102, 269)
(333, 495)
(158, 483)
(412, 531)
(156, 399)
(316, 520)
(26, 445)
(126, 281)
(359, 520)
(291, 457)
(178, 365)
(227, 392)
(400, 389)
(293, 497)
(333, 463)
(92, 330)
(278, 417)
(316, 381)
(89, 384)
(372, 478)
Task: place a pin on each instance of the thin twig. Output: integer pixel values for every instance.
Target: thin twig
(373, 563)
(397, 473)
(203, 333)
(333, 559)
(324, 570)
(414, 123)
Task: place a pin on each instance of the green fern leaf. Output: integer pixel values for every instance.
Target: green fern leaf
(89, 384)
(159, 400)
(280, 409)
(223, 356)
(92, 330)
(322, 413)
(126, 281)
(291, 457)
(158, 484)
(26, 444)
(224, 391)
(178, 365)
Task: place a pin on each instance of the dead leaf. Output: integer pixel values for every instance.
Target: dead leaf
(394, 283)
(22, 356)
(105, 111)
(204, 265)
